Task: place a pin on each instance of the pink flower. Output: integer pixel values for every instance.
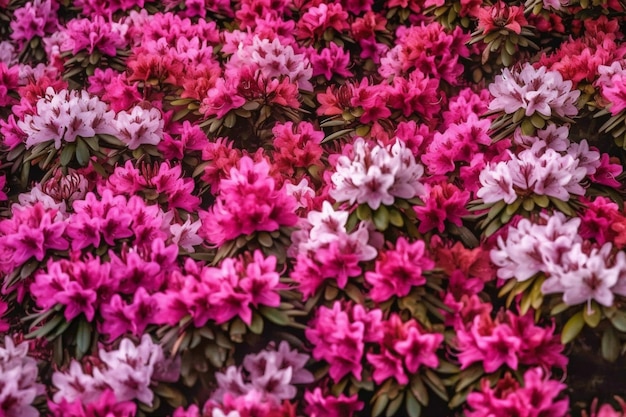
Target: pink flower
(339, 335)
(221, 99)
(415, 94)
(399, 270)
(94, 34)
(248, 202)
(317, 20)
(139, 127)
(615, 93)
(376, 175)
(494, 344)
(9, 77)
(445, 202)
(387, 365)
(501, 16)
(35, 19)
(537, 398)
(331, 61)
(419, 349)
(319, 405)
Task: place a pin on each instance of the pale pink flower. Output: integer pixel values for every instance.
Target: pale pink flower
(376, 175)
(535, 90)
(139, 127)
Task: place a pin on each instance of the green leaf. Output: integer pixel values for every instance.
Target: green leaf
(538, 121)
(395, 218)
(413, 407)
(435, 384)
(447, 368)
(618, 320)
(572, 328)
(256, 325)
(83, 338)
(47, 328)
(265, 239)
(529, 204)
(558, 309)
(541, 200)
(512, 208)
(381, 218)
(611, 345)
(380, 405)
(82, 152)
(395, 405)
(495, 210)
(336, 135)
(562, 206)
(469, 376)
(68, 153)
(593, 317)
(275, 316)
(364, 212)
(419, 390)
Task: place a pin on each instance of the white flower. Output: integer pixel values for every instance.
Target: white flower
(139, 127)
(376, 175)
(534, 90)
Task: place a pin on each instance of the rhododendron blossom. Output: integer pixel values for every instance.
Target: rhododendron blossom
(534, 90)
(302, 208)
(376, 175)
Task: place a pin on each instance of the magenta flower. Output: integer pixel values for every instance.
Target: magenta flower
(331, 61)
(494, 344)
(339, 336)
(221, 99)
(248, 202)
(319, 405)
(404, 346)
(419, 349)
(399, 270)
(537, 398)
(92, 35)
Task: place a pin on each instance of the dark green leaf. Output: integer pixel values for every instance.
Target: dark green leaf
(611, 345)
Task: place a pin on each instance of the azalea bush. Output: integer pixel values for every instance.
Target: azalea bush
(285, 208)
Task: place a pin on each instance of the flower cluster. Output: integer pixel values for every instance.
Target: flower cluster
(125, 374)
(537, 397)
(19, 380)
(376, 175)
(248, 201)
(534, 91)
(325, 251)
(580, 272)
(282, 208)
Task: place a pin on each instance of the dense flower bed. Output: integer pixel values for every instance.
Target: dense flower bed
(281, 208)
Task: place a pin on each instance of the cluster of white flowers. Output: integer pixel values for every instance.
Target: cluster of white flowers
(64, 116)
(18, 380)
(67, 115)
(274, 60)
(556, 249)
(128, 372)
(376, 175)
(139, 127)
(534, 90)
(540, 170)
